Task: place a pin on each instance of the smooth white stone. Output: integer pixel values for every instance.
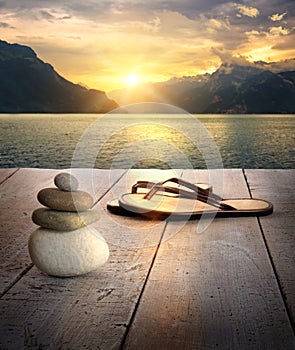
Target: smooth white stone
(68, 253)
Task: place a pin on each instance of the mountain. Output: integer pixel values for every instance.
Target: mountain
(248, 89)
(29, 85)
(167, 91)
(232, 88)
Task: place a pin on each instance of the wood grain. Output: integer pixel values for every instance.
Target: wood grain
(214, 289)
(90, 311)
(17, 202)
(131, 232)
(278, 186)
(167, 285)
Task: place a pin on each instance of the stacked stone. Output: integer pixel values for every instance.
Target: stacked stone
(65, 245)
(67, 208)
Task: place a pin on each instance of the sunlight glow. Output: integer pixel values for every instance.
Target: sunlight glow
(132, 79)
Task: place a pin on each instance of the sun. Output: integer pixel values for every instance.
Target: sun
(132, 79)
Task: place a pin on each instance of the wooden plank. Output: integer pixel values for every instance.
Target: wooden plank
(214, 289)
(130, 232)
(90, 311)
(17, 202)
(278, 186)
(6, 173)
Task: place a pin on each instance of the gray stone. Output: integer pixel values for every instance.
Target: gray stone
(67, 253)
(63, 220)
(66, 182)
(57, 199)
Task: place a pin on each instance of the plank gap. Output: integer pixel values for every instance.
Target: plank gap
(14, 282)
(9, 176)
(289, 314)
(128, 326)
(215, 289)
(109, 189)
(247, 183)
(280, 287)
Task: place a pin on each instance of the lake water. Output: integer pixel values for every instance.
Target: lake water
(147, 141)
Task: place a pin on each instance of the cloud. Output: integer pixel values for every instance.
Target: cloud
(270, 33)
(6, 25)
(52, 15)
(280, 66)
(252, 34)
(226, 56)
(47, 15)
(220, 24)
(93, 9)
(286, 43)
(277, 31)
(247, 11)
(97, 42)
(29, 38)
(73, 37)
(155, 24)
(277, 17)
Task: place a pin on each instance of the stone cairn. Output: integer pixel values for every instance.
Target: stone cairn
(65, 245)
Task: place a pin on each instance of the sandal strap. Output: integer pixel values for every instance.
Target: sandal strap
(175, 190)
(196, 192)
(149, 185)
(141, 184)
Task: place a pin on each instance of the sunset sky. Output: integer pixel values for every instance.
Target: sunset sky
(109, 44)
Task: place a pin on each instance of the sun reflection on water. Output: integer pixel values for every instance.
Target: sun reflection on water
(158, 141)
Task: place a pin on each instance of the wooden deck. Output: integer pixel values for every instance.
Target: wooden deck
(166, 285)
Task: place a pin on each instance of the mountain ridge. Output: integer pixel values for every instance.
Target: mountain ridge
(232, 88)
(29, 85)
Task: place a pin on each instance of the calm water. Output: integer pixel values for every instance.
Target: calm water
(147, 141)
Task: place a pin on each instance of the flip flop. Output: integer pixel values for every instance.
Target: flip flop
(193, 202)
(114, 206)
